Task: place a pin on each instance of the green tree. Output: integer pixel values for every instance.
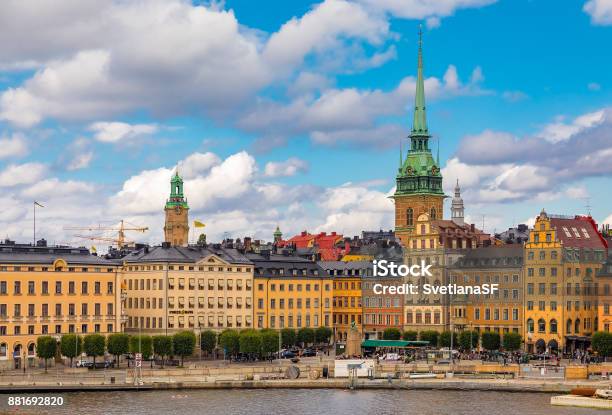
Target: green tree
(512, 341)
(288, 337)
(162, 346)
(430, 336)
(323, 334)
(229, 340)
(490, 340)
(391, 333)
(602, 343)
(445, 339)
(305, 335)
(93, 345)
(118, 344)
(142, 344)
(269, 342)
(208, 341)
(468, 339)
(71, 346)
(410, 335)
(250, 341)
(183, 344)
(46, 347)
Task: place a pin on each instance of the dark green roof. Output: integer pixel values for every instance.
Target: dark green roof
(393, 343)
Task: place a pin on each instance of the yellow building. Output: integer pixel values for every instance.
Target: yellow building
(170, 289)
(502, 310)
(290, 292)
(561, 259)
(347, 294)
(603, 281)
(52, 291)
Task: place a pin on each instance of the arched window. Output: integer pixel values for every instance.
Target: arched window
(568, 326)
(432, 214)
(541, 325)
(3, 349)
(31, 349)
(577, 326)
(530, 325)
(409, 217)
(553, 326)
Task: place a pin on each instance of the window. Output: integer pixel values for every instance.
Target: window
(541, 325)
(409, 217)
(58, 287)
(30, 287)
(433, 214)
(84, 287)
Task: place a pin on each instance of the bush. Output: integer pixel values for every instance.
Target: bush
(391, 333)
(46, 347)
(288, 337)
(468, 339)
(71, 346)
(269, 342)
(410, 335)
(93, 344)
(512, 341)
(229, 340)
(118, 344)
(601, 342)
(183, 344)
(430, 336)
(142, 344)
(250, 341)
(162, 346)
(305, 335)
(490, 340)
(323, 334)
(208, 341)
(445, 339)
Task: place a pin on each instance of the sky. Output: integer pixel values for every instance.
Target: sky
(292, 113)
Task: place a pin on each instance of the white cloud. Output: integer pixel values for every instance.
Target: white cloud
(19, 174)
(289, 167)
(419, 9)
(594, 86)
(514, 96)
(49, 188)
(560, 131)
(113, 132)
(14, 146)
(433, 22)
(600, 11)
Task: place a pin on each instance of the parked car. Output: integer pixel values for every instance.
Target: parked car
(84, 363)
(287, 354)
(309, 353)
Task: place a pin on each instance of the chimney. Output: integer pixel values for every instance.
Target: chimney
(303, 233)
(247, 244)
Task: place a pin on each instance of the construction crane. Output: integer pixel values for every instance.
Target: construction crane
(120, 240)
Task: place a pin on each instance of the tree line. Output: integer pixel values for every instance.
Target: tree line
(250, 341)
(465, 340)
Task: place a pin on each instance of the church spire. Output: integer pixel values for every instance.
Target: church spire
(457, 209)
(419, 124)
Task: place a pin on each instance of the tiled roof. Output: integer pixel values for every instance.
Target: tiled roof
(190, 254)
(25, 254)
(578, 232)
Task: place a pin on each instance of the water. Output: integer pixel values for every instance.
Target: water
(301, 401)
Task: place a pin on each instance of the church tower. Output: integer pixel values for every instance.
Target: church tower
(419, 181)
(457, 209)
(176, 229)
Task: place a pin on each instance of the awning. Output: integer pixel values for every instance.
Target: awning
(393, 343)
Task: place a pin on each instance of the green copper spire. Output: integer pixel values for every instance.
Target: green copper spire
(419, 173)
(419, 124)
(177, 198)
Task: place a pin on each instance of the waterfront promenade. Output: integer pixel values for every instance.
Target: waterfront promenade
(216, 375)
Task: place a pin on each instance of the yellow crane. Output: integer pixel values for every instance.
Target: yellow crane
(120, 240)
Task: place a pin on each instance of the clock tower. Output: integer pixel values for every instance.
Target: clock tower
(418, 181)
(176, 228)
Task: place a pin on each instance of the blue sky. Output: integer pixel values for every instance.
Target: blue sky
(291, 113)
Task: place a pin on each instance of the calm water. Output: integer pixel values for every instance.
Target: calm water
(221, 402)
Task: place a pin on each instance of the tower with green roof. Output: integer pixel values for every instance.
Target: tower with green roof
(278, 235)
(418, 181)
(176, 228)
